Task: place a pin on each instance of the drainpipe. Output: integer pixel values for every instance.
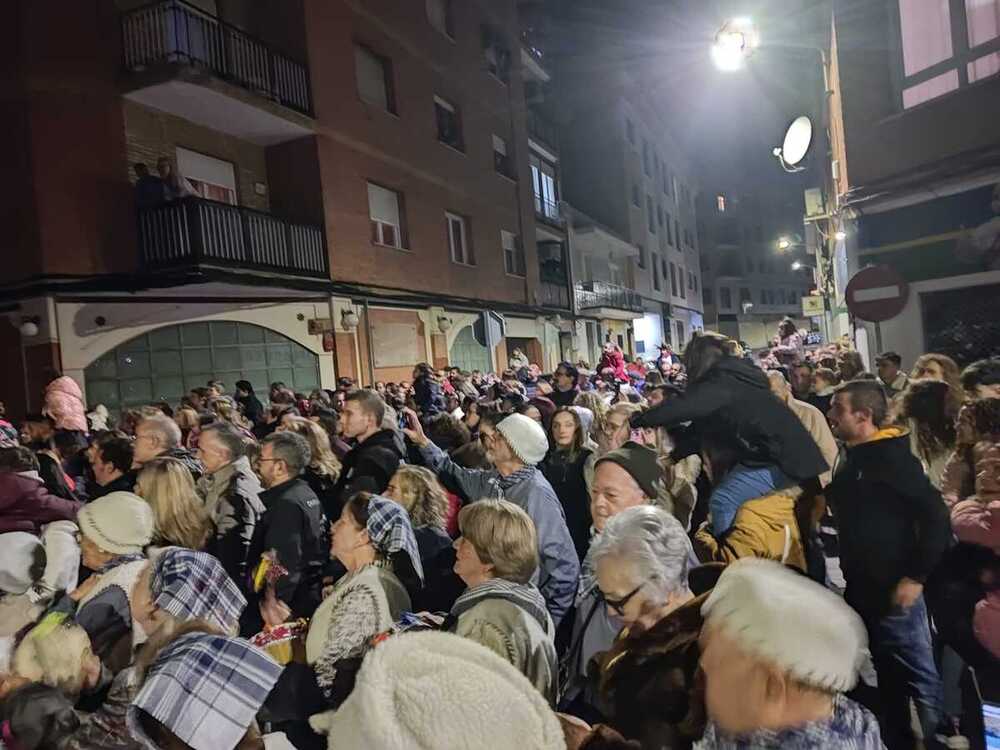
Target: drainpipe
(368, 335)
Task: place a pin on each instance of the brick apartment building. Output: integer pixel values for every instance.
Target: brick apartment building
(361, 195)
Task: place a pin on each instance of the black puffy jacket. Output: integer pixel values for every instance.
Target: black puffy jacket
(734, 399)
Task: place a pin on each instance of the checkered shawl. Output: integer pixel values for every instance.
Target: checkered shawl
(194, 586)
(390, 530)
(205, 689)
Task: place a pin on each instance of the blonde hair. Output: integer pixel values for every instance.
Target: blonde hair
(423, 497)
(503, 536)
(53, 654)
(595, 402)
(180, 516)
(186, 418)
(323, 459)
(227, 412)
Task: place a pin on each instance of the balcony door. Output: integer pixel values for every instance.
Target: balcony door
(543, 181)
(211, 178)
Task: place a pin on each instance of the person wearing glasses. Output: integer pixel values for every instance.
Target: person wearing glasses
(646, 680)
(291, 528)
(564, 390)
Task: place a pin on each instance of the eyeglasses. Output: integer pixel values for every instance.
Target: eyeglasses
(618, 605)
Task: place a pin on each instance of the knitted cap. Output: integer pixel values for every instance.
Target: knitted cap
(120, 523)
(641, 464)
(525, 437)
(407, 691)
(784, 618)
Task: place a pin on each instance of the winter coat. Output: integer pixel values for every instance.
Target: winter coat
(892, 522)
(517, 360)
(437, 557)
(64, 403)
(107, 728)
(26, 505)
(428, 396)
(790, 349)
(50, 471)
(232, 499)
(765, 527)
(124, 483)
(368, 467)
(958, 480)
(186, 457)
(563, 398)
(615, 361)
(517, 636)
(647, 681)
(815, 422)
(559, 566)
(734, 399)
(252, 408)
(292, 526)
(568, 479)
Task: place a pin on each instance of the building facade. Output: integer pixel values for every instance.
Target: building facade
(916, 164)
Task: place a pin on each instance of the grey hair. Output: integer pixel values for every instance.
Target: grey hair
(291, 448)
(653, 541)
(165, 427)
(230, 438)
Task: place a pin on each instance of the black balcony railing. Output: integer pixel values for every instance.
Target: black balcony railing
(194, 230)
(555, 295)
(590, 294)
(542, 130)
(175, 32)
(548, 211)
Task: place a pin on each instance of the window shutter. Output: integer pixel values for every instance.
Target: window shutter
(371, 77)
(383, 205)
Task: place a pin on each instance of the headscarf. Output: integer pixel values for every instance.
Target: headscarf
(586, 417)
(206, 689)
(390, 531)
(194, 586)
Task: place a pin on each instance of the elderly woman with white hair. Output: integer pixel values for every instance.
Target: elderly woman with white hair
(647, 679)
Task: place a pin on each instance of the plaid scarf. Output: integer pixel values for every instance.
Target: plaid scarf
(205, 689)
(505, 483)
(194, 586)
(851, 727)
(390, 531)
(524, 595)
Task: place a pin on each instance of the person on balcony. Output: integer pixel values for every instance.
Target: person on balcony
(175, 186)
(150, 190)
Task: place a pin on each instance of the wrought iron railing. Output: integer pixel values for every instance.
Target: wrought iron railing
(542, 130)
(193, 230)
(175, 32)
(548, 211)
(590, 294)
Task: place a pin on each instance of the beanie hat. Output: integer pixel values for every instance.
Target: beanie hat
(640, 462)
(407, 691)
(786, 619)
(525, 437)
(120, 523)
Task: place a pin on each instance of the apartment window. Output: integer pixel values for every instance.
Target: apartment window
(449, 125)
(673, 279)
(646, 164)
(679, 327)
(932, 66)
(677, 233)
(501, 160)
(635, 196)
(385, 212)
(543, 180)
(659, 214)
(706, 296)
(210, 178)
(670, 229)
(745, 295)
(513, 253)
(656, 273)
(440, 17)
(664, 272)
(650, 215)
(680, 283)
(763, 297)
(630, 131)
(496, 52)
(642, 256)
(690, 281)
(374, 77)
(666, 180)
(725, 297)
(720, 203)
(458, 239)
(694, 280)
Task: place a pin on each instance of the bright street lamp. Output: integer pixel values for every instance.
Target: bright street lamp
(799, 265)
(784, 243)
(734, 44)
(840, 235)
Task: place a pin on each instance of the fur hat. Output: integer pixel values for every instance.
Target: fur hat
(525, 437)
(785, 619)
(410, 691)
(120, 523)
(640, 462)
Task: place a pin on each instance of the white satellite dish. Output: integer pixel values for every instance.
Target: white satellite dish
(794, 148)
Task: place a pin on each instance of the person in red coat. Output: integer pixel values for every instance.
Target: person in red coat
(613, 359)
(25, 504)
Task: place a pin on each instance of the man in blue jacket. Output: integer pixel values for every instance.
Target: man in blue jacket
(514, 446)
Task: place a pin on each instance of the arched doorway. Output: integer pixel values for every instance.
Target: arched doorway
(468, 353)
(163, 365)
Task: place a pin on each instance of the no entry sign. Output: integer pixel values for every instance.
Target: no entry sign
(876, 293)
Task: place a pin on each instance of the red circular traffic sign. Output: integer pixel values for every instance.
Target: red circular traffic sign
(876, 293)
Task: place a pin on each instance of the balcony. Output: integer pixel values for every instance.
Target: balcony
(533, 58)
(543, 132)
(548, 211)
(194, 231)
(608, 300)
(554, 281)
(193, 65)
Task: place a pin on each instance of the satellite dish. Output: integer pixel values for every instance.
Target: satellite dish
(798, 138)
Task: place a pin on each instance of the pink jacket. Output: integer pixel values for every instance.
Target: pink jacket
(615, 361)
(64, 403)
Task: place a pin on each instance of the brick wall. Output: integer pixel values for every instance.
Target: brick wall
(150, 134)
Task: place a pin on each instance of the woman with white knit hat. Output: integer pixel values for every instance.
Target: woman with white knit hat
(778, 653)
(515, 446)
(114, 531)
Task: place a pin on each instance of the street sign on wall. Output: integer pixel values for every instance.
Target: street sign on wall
(812, 306)
(876, 293)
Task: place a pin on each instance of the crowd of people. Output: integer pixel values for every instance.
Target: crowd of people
(711, 550)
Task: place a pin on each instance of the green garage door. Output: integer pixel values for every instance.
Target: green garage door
(163, 365)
